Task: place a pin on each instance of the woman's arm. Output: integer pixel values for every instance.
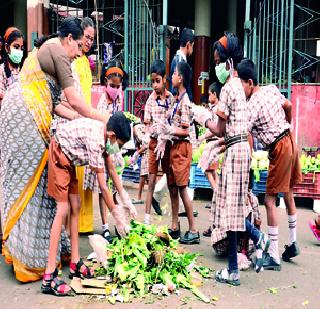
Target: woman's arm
(78, 104)
(66, 112)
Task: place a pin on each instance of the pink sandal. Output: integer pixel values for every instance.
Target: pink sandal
(314, 230)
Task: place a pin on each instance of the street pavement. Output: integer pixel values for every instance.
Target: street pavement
(297, 285)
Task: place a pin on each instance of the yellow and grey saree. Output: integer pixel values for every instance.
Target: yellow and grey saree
(28, 211)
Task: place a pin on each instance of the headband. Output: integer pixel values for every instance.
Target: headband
(8, 32)
(224, 42)
(114, 70)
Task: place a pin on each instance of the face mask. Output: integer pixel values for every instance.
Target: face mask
(113, 93)
(16, 55)
(221, 72)
(112, 148)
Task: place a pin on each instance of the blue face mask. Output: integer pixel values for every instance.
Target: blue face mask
(222, 73)
(112, 148)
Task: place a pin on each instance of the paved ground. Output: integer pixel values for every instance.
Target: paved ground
(297, 285)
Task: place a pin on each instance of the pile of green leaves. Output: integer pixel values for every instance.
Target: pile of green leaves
(132, 117)
(148, 256)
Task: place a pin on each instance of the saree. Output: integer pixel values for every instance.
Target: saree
(83, 83)
(27, 210)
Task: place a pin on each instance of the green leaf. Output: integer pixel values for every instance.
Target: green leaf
(112, 300)
(273, 290)
(199, 294)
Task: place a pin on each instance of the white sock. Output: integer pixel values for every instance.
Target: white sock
(147, 218)
(273, 232)
(292, 220)
(105, 226)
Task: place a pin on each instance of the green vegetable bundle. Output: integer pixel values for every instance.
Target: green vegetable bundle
(149, 256)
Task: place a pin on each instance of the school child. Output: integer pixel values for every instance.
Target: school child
(229, 209)
(270, 121)
(156, 110)
(82, 142)
(213, 98)
(141, 139)
(111, 100)
(177, 130)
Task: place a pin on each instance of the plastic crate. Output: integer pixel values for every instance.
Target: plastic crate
(260, 186)
(129, 174)
(309, 187)
(198, 179)
(311, 151)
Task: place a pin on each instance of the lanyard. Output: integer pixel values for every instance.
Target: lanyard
(176, 107)
(166, 105)
(115, 106)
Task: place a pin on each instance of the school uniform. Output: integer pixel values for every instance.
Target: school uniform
(90, 177)
(228, 209)
(141, 140)
(77, 143)
(267, 122)
(156, 111)
(215, 164)
(181, 149)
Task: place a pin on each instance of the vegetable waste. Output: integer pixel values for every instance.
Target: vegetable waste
(148, 261)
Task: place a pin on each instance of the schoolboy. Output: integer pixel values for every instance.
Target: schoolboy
(270, 122)
(156, 110)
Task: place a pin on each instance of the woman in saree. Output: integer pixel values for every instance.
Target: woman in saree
(25, 120)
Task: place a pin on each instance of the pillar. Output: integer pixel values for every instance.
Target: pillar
(35, 12)
(232, 16)
(201, 49)
(20, 16)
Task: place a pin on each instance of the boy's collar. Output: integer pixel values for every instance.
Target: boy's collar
(166, 95)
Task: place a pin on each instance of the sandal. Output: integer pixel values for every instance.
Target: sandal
(80, 270)
(314, 230)
(59, 287)
(223, 276)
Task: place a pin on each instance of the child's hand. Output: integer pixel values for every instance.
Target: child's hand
(200, 114)
(125, 201)
(122, 228)
(134, 158)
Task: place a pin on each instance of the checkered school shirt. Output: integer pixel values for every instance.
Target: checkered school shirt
(180, 113)
(267, 119)
(231, 107)
(104, 105)
(156, 112)
(82, 141)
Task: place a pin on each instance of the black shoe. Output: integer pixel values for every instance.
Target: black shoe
(269, 263)
(290, 252)
(190, 238)
(207, 232)
(175, 234)
(156, 207)
(184, 214)
(106, 235)
(208, 206)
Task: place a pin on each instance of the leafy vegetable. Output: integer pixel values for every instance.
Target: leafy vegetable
(149, 256)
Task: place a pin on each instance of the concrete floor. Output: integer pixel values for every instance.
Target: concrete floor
(297, 285)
